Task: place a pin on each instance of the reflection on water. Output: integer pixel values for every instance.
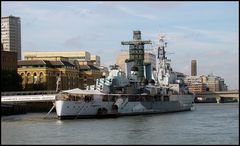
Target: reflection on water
(207, 124)
(59, 122)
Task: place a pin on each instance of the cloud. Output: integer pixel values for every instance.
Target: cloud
(200, 43)
(84, 11)
(74, 42)
(81, 11)
(164, 5)
(83, 40)
(135, 13)
(219, 36)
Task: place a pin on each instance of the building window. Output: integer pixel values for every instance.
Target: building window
(35, 78)
(28, 78)
(41, 77)
(22, 75)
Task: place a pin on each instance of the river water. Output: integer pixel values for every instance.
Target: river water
(209, 123)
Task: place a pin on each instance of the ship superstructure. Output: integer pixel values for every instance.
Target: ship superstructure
(131, 92)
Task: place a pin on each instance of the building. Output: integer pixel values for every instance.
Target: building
(197, 88)
(120, 59)
(45, 74)
(52, 58)
(123, 55)
(71, 55)
(198, 84)
(179, 75)
(150, 58)
(193, 68)
(215, 83)
(204, 83)
(8, 60)
(10, 80)
(88, 73)
(86, 64)
(222, 85)
(96, 60)
(195, 84)
(11, 34)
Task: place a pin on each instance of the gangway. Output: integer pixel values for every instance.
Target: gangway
(28, 98)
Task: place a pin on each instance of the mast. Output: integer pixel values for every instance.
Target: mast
(164, 69)
(136, 52)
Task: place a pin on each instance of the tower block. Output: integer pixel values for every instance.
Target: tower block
(136, 52)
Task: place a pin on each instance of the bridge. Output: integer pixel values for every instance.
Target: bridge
(219, 96)
(28, 96)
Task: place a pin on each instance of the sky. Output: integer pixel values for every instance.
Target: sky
(205, 31)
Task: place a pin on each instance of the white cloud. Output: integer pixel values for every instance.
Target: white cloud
(220, 36)
(135, 13)
(84, 11)
(165, 5)
(74, 42)
(83, 39)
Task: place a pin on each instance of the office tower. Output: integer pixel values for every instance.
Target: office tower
(193, 68)
(11, 34)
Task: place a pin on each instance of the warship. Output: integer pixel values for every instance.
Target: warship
(139, 90)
